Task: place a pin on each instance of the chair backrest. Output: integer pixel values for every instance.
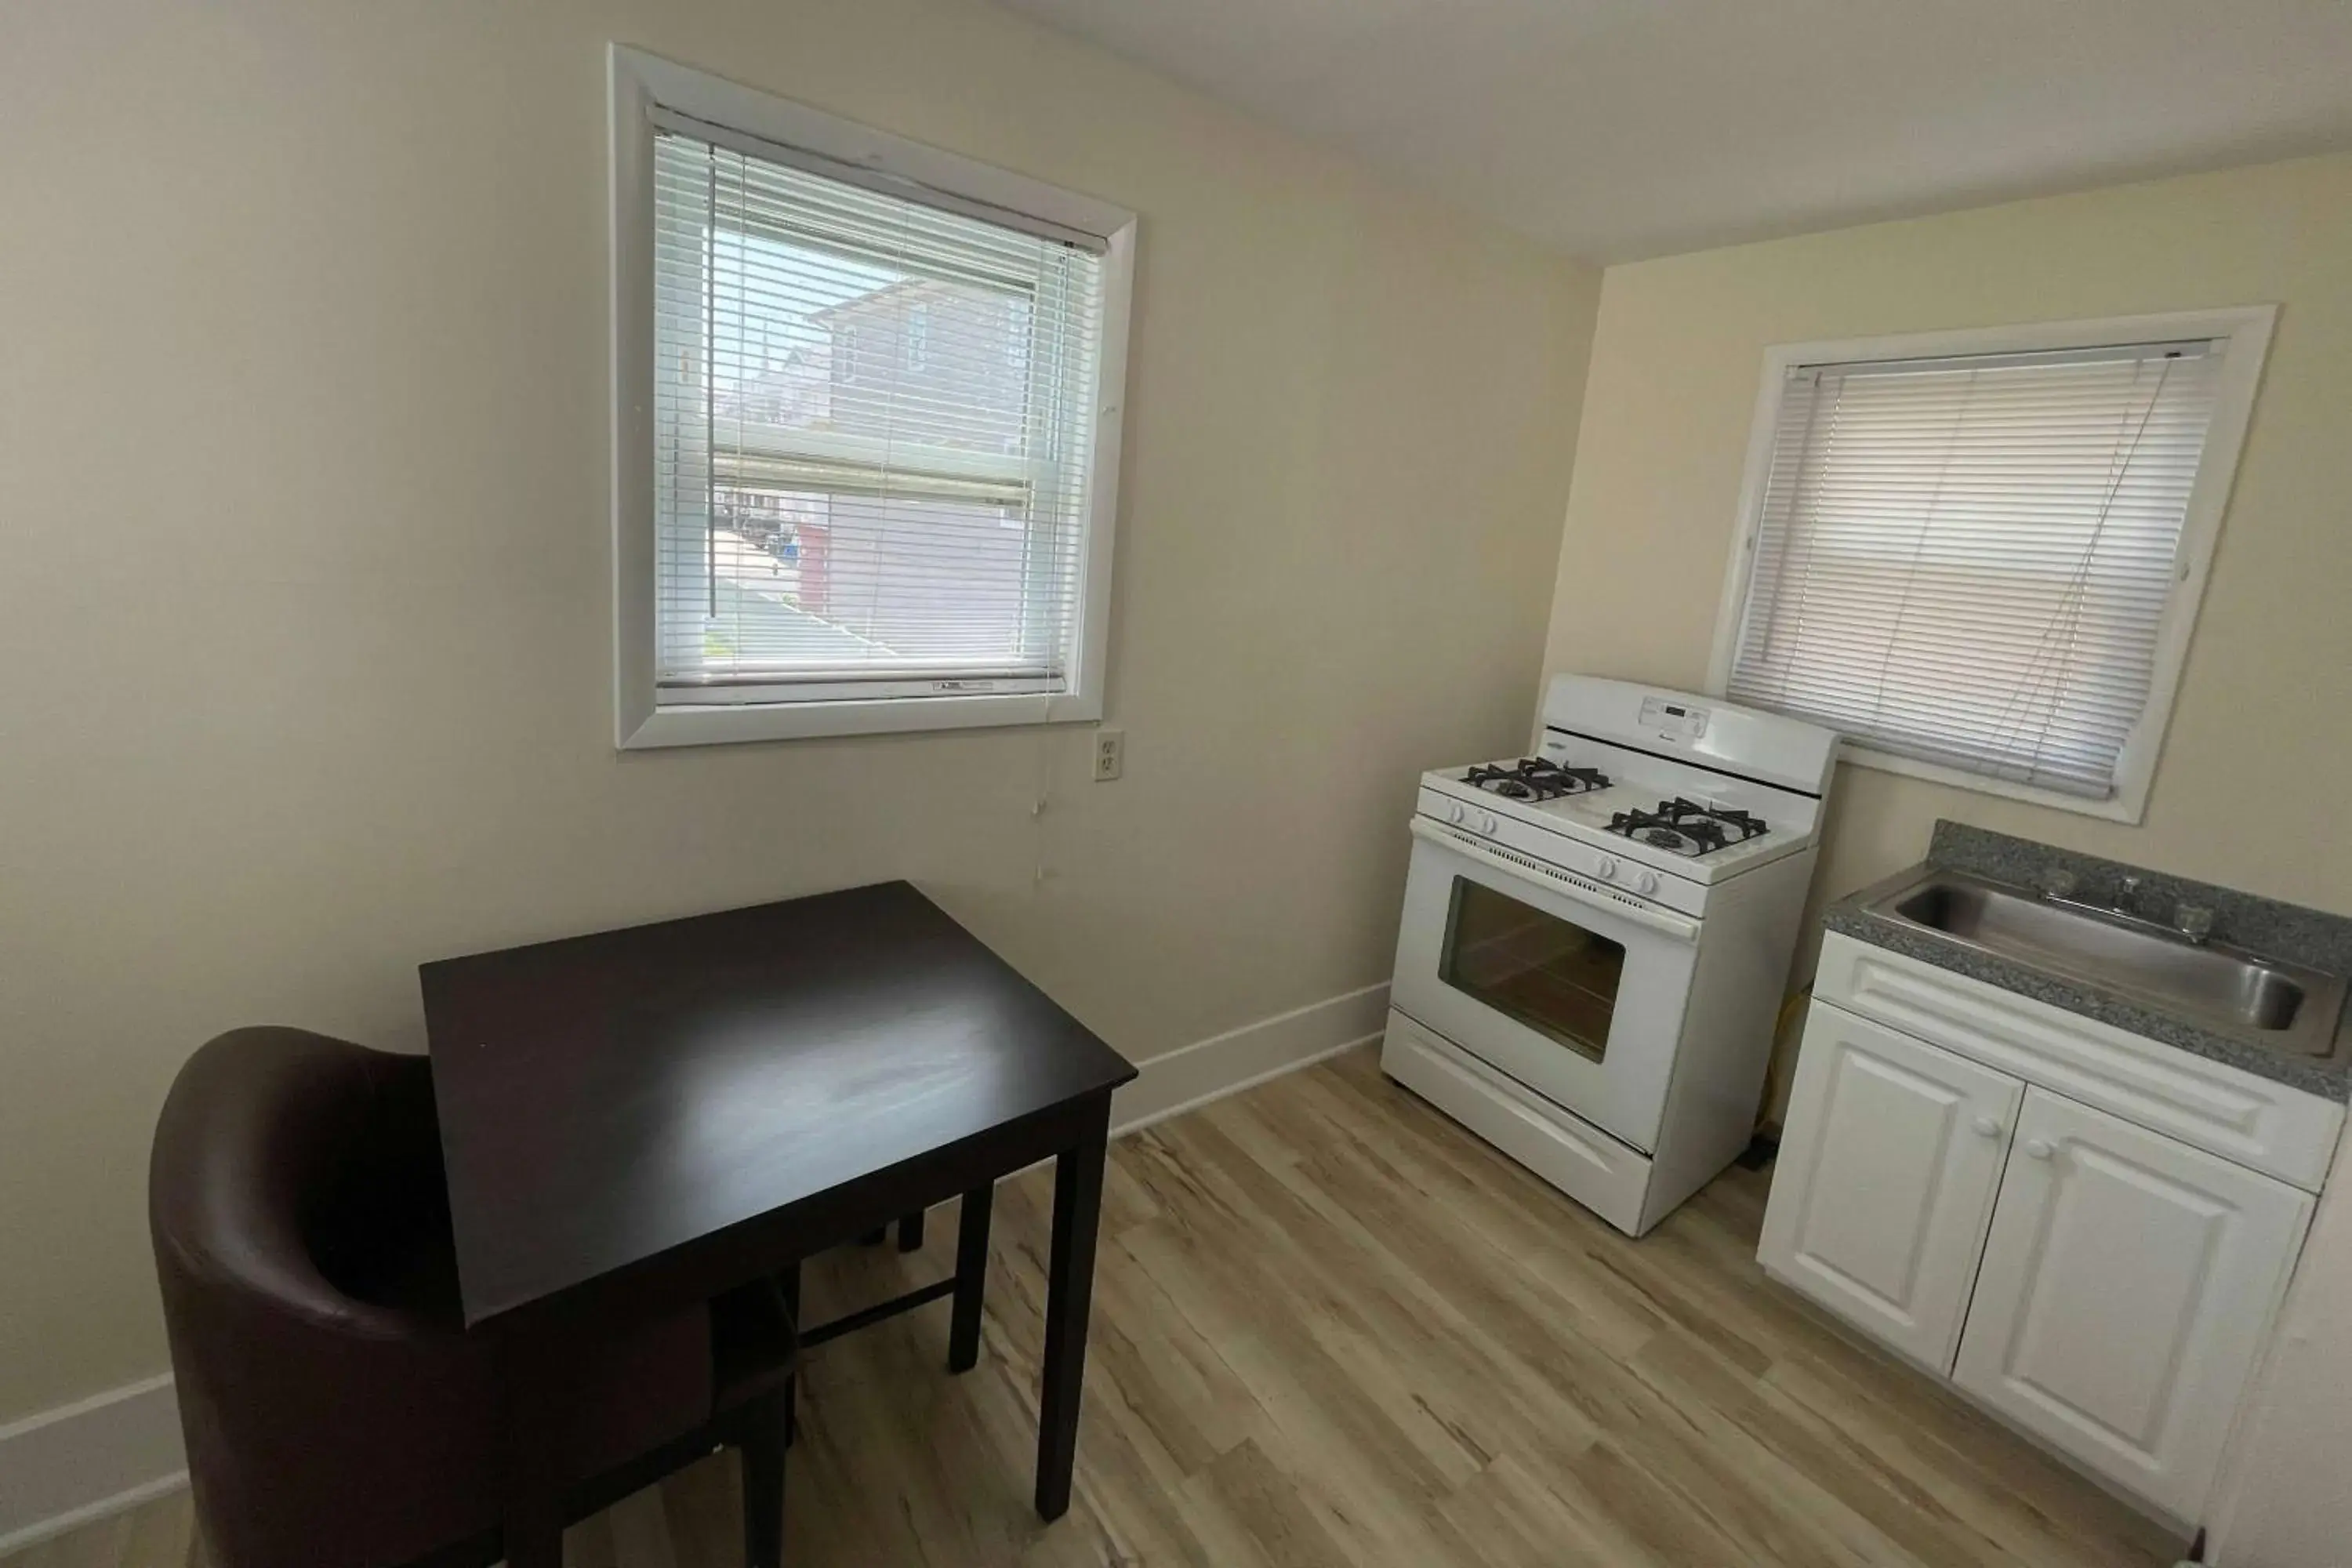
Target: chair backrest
(280, 1160)
(334, 1411)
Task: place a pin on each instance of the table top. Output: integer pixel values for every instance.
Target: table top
(607, 1098)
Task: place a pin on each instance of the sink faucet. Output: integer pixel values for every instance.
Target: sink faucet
(2190, 922)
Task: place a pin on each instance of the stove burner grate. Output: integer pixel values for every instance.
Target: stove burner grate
(1687, 829)
(1536, 779)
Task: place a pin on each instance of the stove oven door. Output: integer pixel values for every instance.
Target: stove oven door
(1570, 987)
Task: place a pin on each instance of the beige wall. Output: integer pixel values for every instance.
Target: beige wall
(303, 583)
(2264, 711)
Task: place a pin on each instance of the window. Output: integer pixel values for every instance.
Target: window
(866, 424)
(1979, 556)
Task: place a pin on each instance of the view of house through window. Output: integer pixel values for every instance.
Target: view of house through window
(872, 423)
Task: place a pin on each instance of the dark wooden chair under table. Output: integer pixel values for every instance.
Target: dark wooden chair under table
(337, 1413)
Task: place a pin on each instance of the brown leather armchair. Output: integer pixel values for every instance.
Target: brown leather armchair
(336, 1411)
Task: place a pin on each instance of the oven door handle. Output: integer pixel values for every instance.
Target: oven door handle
(1584, 891)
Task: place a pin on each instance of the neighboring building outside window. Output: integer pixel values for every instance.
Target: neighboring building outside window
(917, 334)
(866, 481)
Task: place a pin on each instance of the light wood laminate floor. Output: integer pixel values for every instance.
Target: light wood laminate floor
(1332, 1328)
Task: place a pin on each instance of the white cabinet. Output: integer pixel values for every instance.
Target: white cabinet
(1887, 1180)
(2247, 1120)
(2104, 1285)
(2127, 1288)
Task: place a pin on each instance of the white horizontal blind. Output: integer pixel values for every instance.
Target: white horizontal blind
(873, 422)
(1967, 561)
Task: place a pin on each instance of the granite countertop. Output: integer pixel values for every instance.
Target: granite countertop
(2310, 937)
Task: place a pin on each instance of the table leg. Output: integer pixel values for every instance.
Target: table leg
(764, 1480)
(1070, 1282)
(531, 1371)
(910, 1232)
(788, 1283)
(971, 1278)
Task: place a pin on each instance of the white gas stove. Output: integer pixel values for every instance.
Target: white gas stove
(1596, 937)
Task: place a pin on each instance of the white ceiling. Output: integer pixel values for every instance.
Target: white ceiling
(1627, 128)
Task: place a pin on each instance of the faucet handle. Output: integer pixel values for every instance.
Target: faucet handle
(2195, 920)
(2059, 884)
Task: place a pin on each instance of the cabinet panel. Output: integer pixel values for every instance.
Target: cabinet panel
(2223, 1109)
(2127, 1288)
(1888, 1163)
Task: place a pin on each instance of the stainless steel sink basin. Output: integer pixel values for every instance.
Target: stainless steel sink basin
(2281, 1005)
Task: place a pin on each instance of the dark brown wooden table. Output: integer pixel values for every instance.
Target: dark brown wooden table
(639, 1120)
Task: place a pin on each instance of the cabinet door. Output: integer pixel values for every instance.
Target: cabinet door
(2128, 1286)
(1889, 1160)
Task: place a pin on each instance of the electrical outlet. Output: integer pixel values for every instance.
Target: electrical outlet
(1110, 755)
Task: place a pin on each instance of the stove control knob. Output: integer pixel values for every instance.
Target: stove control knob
(1488, 824)
(1646, 883)
(1456, 813)
(1606, 868)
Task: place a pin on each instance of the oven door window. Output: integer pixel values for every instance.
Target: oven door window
(1550, 974)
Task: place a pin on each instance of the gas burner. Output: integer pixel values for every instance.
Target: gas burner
(1685, 827)
(1535, 779)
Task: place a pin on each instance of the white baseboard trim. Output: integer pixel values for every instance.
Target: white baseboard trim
(82, 1461)
(113, 1451)
(1193, 1075)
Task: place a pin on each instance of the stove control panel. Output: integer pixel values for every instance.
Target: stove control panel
(1624, 874)
(1675, 720)
(1484, 822)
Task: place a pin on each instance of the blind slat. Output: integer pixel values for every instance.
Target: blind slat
(874, 421)
(1969, 560)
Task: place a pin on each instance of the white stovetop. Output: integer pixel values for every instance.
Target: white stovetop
(1585, 818)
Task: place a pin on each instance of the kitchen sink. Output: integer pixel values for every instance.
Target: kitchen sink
(2279, 1005)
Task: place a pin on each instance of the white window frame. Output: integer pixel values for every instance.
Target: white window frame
(2247, 332)
(639, 83)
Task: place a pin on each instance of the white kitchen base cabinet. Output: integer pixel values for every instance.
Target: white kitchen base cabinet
(1881, 1211)
(2101, 1285)
(2127, 1289)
